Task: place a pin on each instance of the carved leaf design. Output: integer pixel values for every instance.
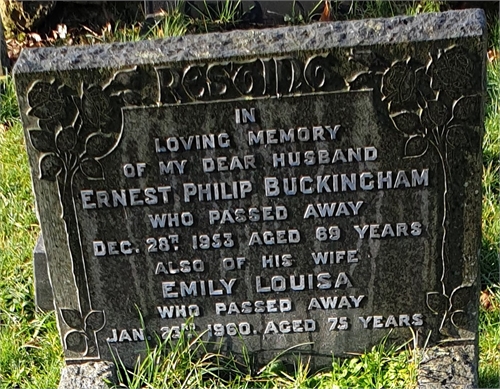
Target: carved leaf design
(399, 83)
(72, 318)
(52, 104)
(426, 121)
(425, 91)
(436, 302)
(66, 139)
(49, 125)
(407, 122)
(42, 140)
(362, 81)
(95, 107)
(131, 98)
(98, 145)
(92, 169)
(94, 321)
(416, 146)
(369, 59)
(447, 329)
(76, 341)
(461, 296)
(45, 100)
(50, 166)
(139, 86)
(467, 109)
(114, 115)
(460, 319)
(438, 112)
(459, 135)
(452, 70)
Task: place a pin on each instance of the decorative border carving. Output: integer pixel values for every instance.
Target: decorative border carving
(77, 128)
(429, 104)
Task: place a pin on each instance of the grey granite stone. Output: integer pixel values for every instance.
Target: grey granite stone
(92, 375)
(241, 44)
(314, 187)
(44, 298)
(449, 367)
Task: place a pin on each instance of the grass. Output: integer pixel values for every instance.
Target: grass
(489, 344)
(489, 319)
(30, 351)
(187, 363)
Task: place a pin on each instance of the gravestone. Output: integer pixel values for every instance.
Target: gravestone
(312, 189)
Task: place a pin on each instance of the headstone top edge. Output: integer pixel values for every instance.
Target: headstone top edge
(251, 43)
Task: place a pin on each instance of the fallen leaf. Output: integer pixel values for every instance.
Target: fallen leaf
(326, 14)
(486, 300)
(493, 55)
(35, 36)
(89, 30)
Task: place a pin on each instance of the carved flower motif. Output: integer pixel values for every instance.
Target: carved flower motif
(80, 338)
(399, 83)
(452, 71)
(52, 104)
(453, 309)
(45, 100)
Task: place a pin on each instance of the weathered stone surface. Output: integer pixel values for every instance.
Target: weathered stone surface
(315, 186)
(93, 375)
(449, 367)
(44, 298)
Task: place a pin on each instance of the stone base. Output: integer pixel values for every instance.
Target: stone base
(450, 367)
(88, 376)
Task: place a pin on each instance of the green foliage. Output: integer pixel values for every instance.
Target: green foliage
(174, 23)
(374, 9)
(382, 367)
(425, 6)
(491, 179)
(219, 16)
(120, 33)
(182, 363)
(188, 363)
(297, 14)
(223, 12)
(8, 107)
(489, 343)
(493, 23)
(30, 353)
(489, 319)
